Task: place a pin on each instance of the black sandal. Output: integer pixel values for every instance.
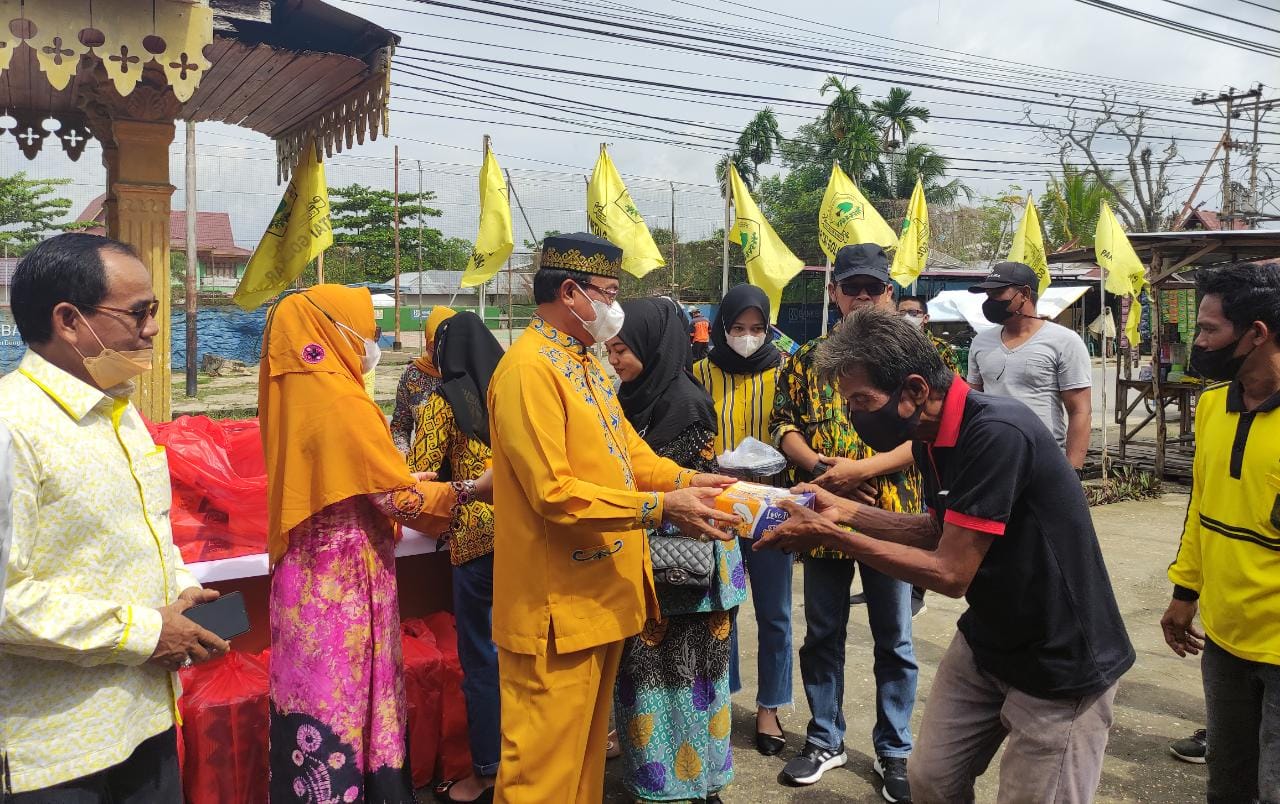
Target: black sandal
(771, 745)
(441, 792)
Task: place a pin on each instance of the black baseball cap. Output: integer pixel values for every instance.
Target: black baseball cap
(1008, 274)
(861, 259)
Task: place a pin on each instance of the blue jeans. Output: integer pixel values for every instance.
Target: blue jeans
(473, 616)
(826, 611)
(769, 574)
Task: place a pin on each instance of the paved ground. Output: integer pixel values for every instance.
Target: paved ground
(1158, 699)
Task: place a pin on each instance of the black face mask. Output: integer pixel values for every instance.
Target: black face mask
(1218, 364)
(883, 429)
(997, 311)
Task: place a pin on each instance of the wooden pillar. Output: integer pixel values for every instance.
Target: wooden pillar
(1157, 385)
(135, 132)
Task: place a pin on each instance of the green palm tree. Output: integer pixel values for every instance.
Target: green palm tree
(746, 169)
(1071, 205)
(849, 129)
(761, 138)
(897, 117)
(924, 163)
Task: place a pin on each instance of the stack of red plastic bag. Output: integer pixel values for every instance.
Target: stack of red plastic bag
(453, 759)
(219, 478)
(225, 730)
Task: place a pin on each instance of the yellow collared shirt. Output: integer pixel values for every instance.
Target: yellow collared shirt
(92, 558)
(574, 486)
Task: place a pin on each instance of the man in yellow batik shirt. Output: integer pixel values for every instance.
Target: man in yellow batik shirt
(574, 486)
(92, 631)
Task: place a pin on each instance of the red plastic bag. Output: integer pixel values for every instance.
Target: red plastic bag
(423, 689)
(455, 748)
(219, 479)
(225, 731)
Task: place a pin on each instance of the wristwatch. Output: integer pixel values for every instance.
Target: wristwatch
(819, 468)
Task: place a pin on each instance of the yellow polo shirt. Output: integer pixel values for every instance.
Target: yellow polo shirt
(574, 486)
(92, 558)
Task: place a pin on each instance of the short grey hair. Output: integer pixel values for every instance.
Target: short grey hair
(886, 346)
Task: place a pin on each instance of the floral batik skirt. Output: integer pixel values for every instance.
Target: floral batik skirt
(673, 710)
(337, 690)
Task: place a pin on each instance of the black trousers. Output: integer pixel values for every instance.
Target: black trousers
(148, 776)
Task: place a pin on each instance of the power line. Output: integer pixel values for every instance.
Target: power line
(1180, 27)
(1222, 16)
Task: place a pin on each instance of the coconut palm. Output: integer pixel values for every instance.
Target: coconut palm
(897, 117)
(746, 169)
(1071, 205)
(926, 164)
(848, 129)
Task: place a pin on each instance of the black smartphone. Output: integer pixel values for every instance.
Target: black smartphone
(225, 616)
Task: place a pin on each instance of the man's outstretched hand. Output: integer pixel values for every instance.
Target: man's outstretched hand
(689, 509)
(706, 480)
(804, 530)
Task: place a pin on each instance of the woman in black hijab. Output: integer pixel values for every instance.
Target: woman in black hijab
(452, 439)
(741, 375)
(674, 677)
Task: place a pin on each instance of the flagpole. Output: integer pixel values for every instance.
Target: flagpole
(826, 297)
(419, 239)
(511, 301)
(396, 345)
(724, 265)
(484, 154)
(1102, 288)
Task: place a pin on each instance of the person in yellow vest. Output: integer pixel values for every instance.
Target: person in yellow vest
(92, 631)
(574, 488)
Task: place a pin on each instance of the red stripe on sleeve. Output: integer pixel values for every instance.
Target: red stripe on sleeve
(975, 523)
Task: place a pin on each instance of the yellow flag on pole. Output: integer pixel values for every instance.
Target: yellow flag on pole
(495, 240)
(846, 217)
(1125, 273)
(913, 241)
(770, 264)
(299, 231)
(614, 217)
(1028, 245)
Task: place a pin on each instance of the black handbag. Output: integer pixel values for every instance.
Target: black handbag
(681, 561)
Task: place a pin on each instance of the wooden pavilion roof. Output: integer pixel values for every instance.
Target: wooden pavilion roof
(1177, 251)
(293, 70)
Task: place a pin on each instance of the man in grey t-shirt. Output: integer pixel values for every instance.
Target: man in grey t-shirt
(1044, 365)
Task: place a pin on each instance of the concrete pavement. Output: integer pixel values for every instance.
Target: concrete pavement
(1159, 699)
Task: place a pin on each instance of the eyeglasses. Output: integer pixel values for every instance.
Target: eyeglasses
(608, 294)
(912, 313)
(140, 315)
(854, 289)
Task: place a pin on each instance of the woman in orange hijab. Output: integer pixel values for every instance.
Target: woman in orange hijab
(420, 378)
(335, 484)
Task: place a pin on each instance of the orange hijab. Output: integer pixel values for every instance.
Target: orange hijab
(426, 361)
(324, 439)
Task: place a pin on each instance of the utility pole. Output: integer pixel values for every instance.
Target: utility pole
(1228, 100)
(1259, 108)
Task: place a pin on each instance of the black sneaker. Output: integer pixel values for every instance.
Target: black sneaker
(808, 766)
(893, 772)
(1191, 749)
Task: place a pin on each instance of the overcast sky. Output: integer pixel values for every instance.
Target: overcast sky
(1046, 38)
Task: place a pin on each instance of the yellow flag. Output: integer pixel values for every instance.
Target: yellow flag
(1126, 275)
(614, 217)
(299, 231)
(846, 217)
(1028, 245)
(913, 241)
(494, 241)
(770, 264)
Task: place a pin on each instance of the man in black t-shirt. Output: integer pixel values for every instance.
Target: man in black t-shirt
(1042, 645)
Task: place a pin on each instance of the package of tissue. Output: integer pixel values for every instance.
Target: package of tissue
(758, 507)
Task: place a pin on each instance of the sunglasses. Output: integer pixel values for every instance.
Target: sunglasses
(852, 288)
(140, 315)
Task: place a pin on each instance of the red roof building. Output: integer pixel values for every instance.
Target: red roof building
(222, 262)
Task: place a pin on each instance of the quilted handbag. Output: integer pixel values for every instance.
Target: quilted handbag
(681, 561)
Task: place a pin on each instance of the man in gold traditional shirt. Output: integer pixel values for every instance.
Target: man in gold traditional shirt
(574, 488)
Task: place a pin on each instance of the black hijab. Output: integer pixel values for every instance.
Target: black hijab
(737, 301)
(467, 354)
(665, 400)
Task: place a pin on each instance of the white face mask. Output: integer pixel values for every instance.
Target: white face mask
(608, 320)
(372, 351)
(745, 345)
(915, 320)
